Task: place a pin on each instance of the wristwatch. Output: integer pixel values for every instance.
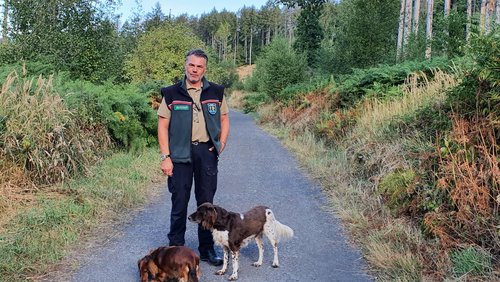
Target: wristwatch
(164, 157)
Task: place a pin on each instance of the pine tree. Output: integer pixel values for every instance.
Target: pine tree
(309, 31)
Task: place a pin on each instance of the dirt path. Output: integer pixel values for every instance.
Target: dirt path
(255, 169)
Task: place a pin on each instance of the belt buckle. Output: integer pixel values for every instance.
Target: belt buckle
(195, 143)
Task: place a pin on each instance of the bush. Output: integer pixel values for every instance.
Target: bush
(396, 188)
(223, 73)
(316, 83)
(378, 82)
(278, 67)
(123, 109)
(27, 69)
(251, 83)
(479, 91)
(41, 136)
(253, 101)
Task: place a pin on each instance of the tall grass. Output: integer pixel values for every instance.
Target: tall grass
(418, 92)
(40, 136)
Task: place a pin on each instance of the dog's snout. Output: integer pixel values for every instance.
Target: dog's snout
(192, 217)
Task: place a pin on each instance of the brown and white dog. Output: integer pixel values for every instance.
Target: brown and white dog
(233, 231)
(175, 262)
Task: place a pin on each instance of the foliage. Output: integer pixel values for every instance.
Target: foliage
(28, 69)
(160, 53)
(365, 35)
(471, 261)
(396, 188)
(467, 173)
(376, 81)
(41, 136)
(74, 36)
(277, 67)
(309, 31)
(254, 100)
(448, 38)
(124, 110)
(314, 84)
(477, 95)
(223, 73)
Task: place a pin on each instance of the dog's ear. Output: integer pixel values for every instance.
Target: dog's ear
(209, 218)
(143, 269)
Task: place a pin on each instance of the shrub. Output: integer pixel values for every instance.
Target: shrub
(378, 82)
(251, 83)
(223, 73)
(253, 101)
(314, 84)
(396, 188)
(41, 136)
(479, 91)
(278, 67)
(123, 109)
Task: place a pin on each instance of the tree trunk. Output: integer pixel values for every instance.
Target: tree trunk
(497, 11)
(399, 49)
(469, 19)
(246, 49)
(5, 23)
(263, 40)
(447, 7)
(408, 16)
(428, 29)
(416, 16)
(251, 43)
(235, 45)
(483, 16)
(268, 36)
(490, 9)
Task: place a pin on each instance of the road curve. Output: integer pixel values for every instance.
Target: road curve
(254, 170)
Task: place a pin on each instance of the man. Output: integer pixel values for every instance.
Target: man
(193, 126)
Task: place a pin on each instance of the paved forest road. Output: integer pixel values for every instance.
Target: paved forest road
(254, 170)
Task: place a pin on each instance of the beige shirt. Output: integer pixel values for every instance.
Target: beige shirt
(199, 130)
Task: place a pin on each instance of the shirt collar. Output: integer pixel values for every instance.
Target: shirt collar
(186, 85)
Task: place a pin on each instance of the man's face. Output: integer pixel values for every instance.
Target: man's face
(195, 68)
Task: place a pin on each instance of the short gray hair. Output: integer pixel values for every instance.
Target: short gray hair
(198, 53)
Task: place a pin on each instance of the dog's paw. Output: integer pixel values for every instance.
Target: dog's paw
(233, 277)
(275, 265)
(220, 272)
(257, 264)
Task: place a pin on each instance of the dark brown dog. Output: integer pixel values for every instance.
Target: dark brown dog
(233, 231)
(166, 263)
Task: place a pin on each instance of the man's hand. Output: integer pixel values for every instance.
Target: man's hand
(167, 167)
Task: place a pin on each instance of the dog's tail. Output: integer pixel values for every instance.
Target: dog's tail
(194, 274)
(282, 231)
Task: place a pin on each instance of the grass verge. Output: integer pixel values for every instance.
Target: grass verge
(57, 217)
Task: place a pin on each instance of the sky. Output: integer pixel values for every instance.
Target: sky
(191, 7)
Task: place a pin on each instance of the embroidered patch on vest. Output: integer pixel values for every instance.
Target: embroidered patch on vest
(212, 108)
(181, 107)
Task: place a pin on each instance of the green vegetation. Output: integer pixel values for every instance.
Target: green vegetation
(400, 128)
(278, 67)
(408, 154)
(160, 53)
(51, 222)
(471, 261)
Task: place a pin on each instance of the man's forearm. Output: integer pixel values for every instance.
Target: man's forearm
(163, 135)
(224, 128)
